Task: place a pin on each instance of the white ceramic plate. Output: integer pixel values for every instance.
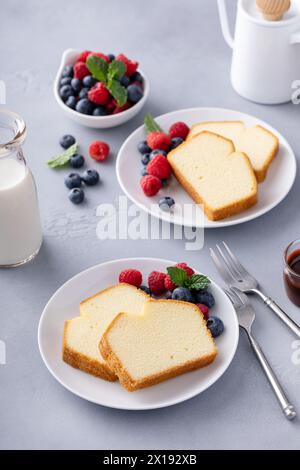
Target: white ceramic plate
(64, 304)
(271, 192)
(99, 122)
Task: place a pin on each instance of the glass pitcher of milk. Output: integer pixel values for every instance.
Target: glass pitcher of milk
(20, 226)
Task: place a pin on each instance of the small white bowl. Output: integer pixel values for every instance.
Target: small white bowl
(100, 122)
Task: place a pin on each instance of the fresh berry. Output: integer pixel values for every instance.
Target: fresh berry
(150, 185)
(71, 102)
(99, 151)
(205, 297)
(100, 111)
(169, 284)
(81, 70)
(145, 158)
(143, 147)
(84, 106)
(138, 84)
(76, 195)
(111, 106)
(83, 56)
(157, 152)
(83, 94)
(175, 142)
(119, 109)
(186, 268)
(144, 171)
(73, 180)
(66, 141)
(89, 81)
(131, 66)
(159, 167)
(101, 55)
(125, 81)
(76, 160)
(156, 282)
(90, 177)
(137, 77)
(145, 289)
(65, 92)
(135, 93)
(76, 84)
(182, 293)
(99, 94)
(67, 71)
(166, 203)
(203, 309)
(215, 325)
(158, 140)
(65, 81)
(168, 295)
(111, 57)
(131, 276)
(179, 129)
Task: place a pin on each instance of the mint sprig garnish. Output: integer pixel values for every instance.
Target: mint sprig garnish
(63, 158)
(181, 279)
(151, 125)
(109, 74)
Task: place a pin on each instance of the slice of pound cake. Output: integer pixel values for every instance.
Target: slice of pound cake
(215, 175)
(82, 334)
(170, 338)
(258, 143)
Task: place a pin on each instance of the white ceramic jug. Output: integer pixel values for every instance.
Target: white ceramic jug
(266, 54)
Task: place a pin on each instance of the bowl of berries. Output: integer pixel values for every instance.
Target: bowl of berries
(99, 90)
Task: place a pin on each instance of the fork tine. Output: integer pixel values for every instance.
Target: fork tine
(241, 269)
(228, 265)
(242, 297)
(232, 297)
(227, 277)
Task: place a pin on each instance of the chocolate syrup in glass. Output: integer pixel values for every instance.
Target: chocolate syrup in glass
(292, 277)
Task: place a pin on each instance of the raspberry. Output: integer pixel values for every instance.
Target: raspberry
(186, 268)
(131, 276)
(99, 151)
(160, 167)
(204, 309)
(169, 284)
(150, 185)
(156, 282)
(111, 106)
(99, 94)
(81, 70)
(131, 66)
(102, 56)
(179, 129)
(119, 109)
(159, 140)
(83, 56)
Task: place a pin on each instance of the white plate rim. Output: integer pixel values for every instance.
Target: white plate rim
(222, 223)
(175, 401)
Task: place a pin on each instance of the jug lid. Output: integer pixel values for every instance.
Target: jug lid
(249, 8)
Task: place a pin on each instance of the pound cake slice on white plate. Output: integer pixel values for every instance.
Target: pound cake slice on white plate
(82, 334)
(215, 175)
(258, 143)
(169, 339)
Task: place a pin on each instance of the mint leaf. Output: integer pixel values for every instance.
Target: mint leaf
(63, 158)
(118, 91)
(178, 276)
(198, 282)
(98, 67)
(116, 69)
(151, 125)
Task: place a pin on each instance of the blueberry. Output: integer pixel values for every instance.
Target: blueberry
(145, 289)
(73, 180)
(111, 57)
(100, 111)
(90, 177)
(144, 171)
(67, 71)
(166, 203)
(143, 147)
(76, 161)
(71, 102)
(125, 81)
(168, 295)
(215, 325)
(205, 297)
(66, 91)
(182, 293)
(83, 93)
(76, 84)
(165, 182)
(157, 152)
(76, 195)
(89, 81)
(145, 158)
(135, 93)
(84, 106)
(65, 81)
(175, 142)
(67, 140)
(137, 77)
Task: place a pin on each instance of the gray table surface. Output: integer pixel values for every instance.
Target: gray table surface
(182, 51)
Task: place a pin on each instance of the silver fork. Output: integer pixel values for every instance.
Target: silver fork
(246, 317)
(235, 275)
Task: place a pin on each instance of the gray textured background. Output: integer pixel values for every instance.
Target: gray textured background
(180, 47)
